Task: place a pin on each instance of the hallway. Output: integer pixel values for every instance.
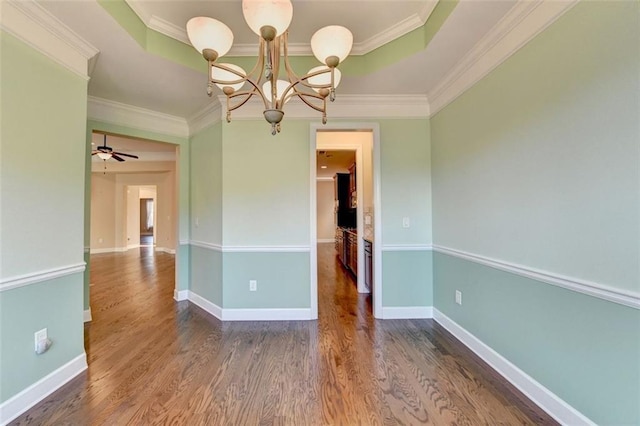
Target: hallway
(156, 361)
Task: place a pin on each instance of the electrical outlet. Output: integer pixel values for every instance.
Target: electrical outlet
(40, 336)
(458, 297)
(100, 240)
(253, 285)
(406, 222)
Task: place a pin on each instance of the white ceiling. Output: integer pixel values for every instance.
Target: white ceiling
(126, 73)
(335, 161)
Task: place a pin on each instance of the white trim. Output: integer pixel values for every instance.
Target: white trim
(108, 250)
(324, 179)
(407, 312)
(601, 291)
(36, 277)
(387, 35)
(344, 107)
(132, 246)
(207, 116)
(167, 28)
(135, 117)
(258, 314)
(395, 31)
(203, 303)
(265, 249)
(522, 23)
(166, 250)
(406, 247)
(137, 8)
(204, 245)
(37, 27)
(86, 315)
(27, 398)
(326, 240)
(180, 295)
(266, 314)
(87, 249)
(374, 128)
(532, 389)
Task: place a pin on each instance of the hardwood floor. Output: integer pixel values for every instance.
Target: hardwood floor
(156, 361)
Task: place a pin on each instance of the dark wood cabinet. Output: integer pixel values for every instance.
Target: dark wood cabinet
(352, 263)
(368, 264)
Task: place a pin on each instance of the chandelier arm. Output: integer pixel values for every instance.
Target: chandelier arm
(287, 65)
(322, 109)
(242, 78)
(248, 95)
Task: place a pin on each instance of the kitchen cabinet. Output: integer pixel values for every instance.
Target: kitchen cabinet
(368, 264)
(345, 215)
(352, 263)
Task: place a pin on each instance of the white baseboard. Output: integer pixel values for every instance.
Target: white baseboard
(166, 250)
(24, 400)
(536, 392)
(180, 295)
(327, 240)
(200, 301)
(87, 315)
(107, 250)
(284, 314)
(407, 312)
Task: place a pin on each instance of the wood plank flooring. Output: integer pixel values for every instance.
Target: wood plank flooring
(156, 361)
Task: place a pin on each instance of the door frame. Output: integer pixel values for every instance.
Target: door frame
(374, 128)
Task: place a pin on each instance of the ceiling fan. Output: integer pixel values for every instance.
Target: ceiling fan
(105, 152)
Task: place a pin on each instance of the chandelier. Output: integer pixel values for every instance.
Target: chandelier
(270, 19)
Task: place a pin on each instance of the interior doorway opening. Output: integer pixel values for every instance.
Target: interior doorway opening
(354, 220)
(148, 223)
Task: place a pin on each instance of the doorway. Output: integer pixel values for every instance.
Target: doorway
(363, 200)
(148, 222)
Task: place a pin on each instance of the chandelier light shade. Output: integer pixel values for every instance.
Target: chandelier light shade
(324, 78)
(221, 74)
(208, 33)
(270, 20)
(333, 40)
(271, 13)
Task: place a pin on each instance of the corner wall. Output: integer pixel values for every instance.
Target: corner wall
(536, 169)
(42, 220)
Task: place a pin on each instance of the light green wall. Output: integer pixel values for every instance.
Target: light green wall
(407, 278)
(42, 211)
(55, 305)
(538, 164)
(282, 280)
(206, 274)
(37, 190)
(405, 154)
(206, 185)
(584, 349)
(265, 184)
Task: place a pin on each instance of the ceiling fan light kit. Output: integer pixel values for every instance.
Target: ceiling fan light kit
(270, 19)
(105, 152)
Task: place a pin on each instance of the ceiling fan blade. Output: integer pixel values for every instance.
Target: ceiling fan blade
(114, 156)
(125, 155)
(95, 152)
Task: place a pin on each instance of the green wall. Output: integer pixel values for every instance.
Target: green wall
(42, 171)
(538, 165)
(263, 195)
(206, 213)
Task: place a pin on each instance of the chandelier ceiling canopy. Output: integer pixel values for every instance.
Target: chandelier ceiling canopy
(270, 19)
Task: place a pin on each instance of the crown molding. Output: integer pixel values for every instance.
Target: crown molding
(344, 107)
(522, 23)
(395, 31)
(207, 116)
(34, 25)
(136, 117)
